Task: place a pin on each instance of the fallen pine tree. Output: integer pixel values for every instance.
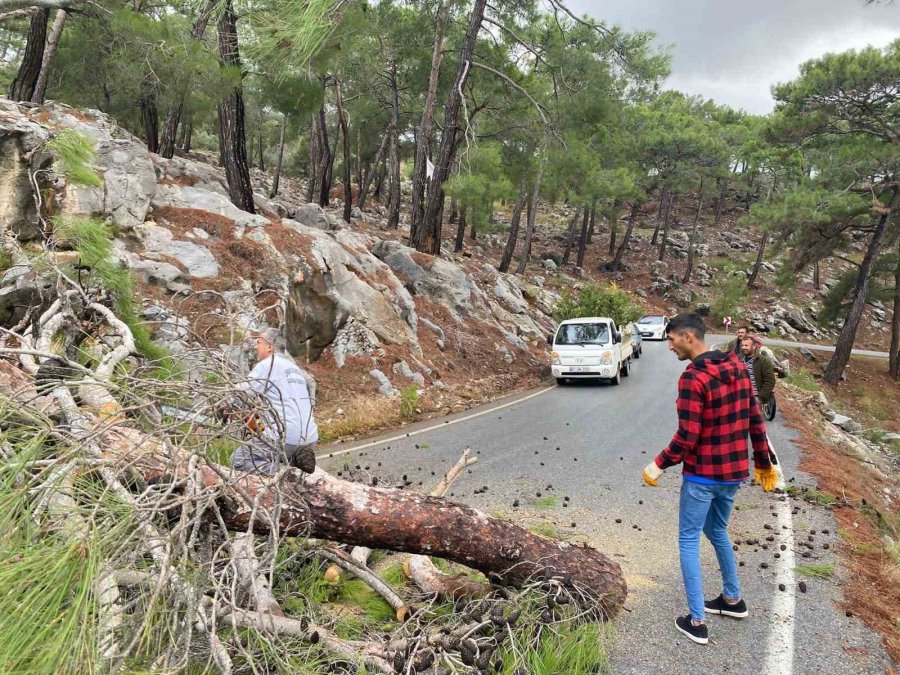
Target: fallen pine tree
(158, 556)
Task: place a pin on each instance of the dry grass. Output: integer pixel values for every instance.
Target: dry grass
(869, 525)
(362, 414)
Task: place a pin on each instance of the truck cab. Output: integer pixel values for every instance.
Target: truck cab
(591, 347)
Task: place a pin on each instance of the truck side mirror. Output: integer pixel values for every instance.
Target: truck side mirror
(617, 337)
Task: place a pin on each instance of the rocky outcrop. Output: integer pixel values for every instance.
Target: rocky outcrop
(20, 142)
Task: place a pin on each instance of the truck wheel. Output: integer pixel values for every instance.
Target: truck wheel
(617, 380)
(561, 381)
(626, 368)
(637, 354)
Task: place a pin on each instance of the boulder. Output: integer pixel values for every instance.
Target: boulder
(333, 283)
(311, 215)
(385, 388)
(19, 138)
(402, 368)
(197, 259)
(807, 354)
(549, 264)
(438, 280)
(202, 199)
(353, 339)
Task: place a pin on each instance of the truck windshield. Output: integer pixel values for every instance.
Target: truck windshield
(582, 334)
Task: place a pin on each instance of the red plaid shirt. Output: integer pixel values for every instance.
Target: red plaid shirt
(716, 411)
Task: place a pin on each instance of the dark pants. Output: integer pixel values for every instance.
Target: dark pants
(259, 457)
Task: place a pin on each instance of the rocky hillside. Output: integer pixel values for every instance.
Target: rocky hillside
(369, 316)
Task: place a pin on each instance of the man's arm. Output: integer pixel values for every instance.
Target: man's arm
(690, 410)
(758, 437)
(767, 378)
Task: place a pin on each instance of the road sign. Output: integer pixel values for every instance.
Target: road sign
(727, 320)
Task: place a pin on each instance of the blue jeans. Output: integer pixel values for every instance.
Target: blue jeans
(707, 508)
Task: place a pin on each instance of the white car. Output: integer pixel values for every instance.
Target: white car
(591, 348)
(653, 326)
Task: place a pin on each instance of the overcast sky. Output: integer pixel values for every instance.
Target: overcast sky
(734, 52)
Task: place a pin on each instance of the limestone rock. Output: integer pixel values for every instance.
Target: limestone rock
(385, 388)
(197, 259)
(402, 368)
(353, 339)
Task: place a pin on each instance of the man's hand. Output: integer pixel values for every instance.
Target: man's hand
(652, 474)
(766, 477)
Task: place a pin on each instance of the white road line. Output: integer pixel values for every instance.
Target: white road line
(441, 425)
(780, 645)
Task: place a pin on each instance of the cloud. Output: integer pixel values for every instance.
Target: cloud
(734, 52)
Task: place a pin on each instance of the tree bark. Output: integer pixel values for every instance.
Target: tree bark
(358, 164)
(665, 231)
(817, 284)
(149, 115)
(313, 171)
(582, 240)
(393, 219)
(591, 229)
(720, 203)
(188, 134)
(696, 227)
(514, 225)
(277, 177)
(425, 135)
(262, 160)
(232, 132)
(373, 169)
(345, 141)
(661, 214)
(325, 507)
(40, 88)
(532, 216)
(325, 160)
(620, 253)
(25, 82)
(894, 354)
(429, 235)
(760, 254)
(844, 345)
(460, 231)
(570, 239)
(614, 226)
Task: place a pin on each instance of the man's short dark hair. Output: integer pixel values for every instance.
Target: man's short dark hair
(687, 322)
(746, 328)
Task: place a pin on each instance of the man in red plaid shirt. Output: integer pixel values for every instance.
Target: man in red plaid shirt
(716, 412)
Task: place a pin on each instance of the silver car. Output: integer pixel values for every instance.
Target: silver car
(653, 326)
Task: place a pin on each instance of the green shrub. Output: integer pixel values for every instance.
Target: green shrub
(731, 296)
(598, 300)
(75, 153)
(408, 399)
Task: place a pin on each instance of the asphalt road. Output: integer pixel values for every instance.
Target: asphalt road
(773, 342)
(590, 442)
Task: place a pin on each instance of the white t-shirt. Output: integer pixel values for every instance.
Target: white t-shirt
(280, 380)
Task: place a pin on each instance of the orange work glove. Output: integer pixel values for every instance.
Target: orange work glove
(652, 474)
(766, 477)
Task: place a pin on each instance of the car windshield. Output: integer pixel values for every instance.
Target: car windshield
(582, 334)
(650, 320)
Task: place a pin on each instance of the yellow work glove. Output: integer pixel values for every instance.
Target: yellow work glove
(652, 474)
(766, 477)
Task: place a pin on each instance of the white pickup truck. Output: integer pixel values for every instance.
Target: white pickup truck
(591, 347)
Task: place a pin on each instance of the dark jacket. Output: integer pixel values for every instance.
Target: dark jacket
(716, 411)
(764, 374)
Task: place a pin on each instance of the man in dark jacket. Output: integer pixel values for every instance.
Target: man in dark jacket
(760, 367)
(716, 412)
(735, 346)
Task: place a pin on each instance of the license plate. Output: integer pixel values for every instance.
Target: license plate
(647, 334)
(580, 369)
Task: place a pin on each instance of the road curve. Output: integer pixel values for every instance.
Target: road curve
(773, 342)
(589, 442)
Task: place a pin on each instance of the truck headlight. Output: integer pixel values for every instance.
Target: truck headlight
(606, 359)
(555, 360)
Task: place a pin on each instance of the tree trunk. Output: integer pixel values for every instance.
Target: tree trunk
(582, 240)
(614, 226)
(358, 167)
(473, 235)
(393, 219)
(696, 227)
(25, 82)
(514, 225)
(720, 203)
(188, 134)
(379, 179)
(322, 506)
(40, 88)
(313, 170)
(664, 209)
(844, 345)
(173, 114)
(149, 115)
(373, 169)
(532, 216)
(894, 358)
(751, 282)
(620, 253)
(817, 284)
(425, 135)
(570, 239)
(454, 210)
(325, 160)
(345, 141)
(428, 239)
(460, 231)
(665, 231)
(591, 229)
(277, 177)
(262, 161)
(232, 134)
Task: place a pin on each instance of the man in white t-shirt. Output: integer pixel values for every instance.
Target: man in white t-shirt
(285, 431)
